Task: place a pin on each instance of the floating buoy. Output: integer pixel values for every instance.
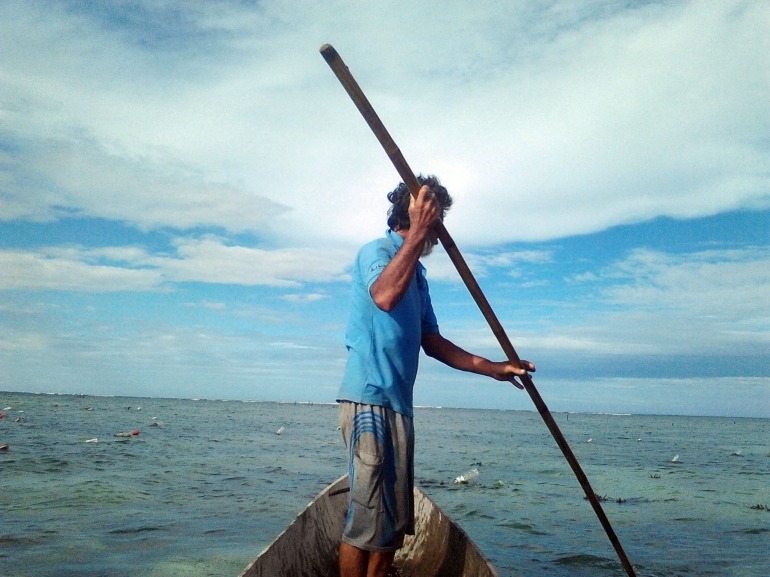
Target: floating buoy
(122, 434)
(279, 431)
(136, 432)
(675, 459)
(91, 441)
(1, 415)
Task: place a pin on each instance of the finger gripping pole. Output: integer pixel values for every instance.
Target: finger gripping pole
(399, 162)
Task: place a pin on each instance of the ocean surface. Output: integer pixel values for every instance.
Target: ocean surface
(206, 485)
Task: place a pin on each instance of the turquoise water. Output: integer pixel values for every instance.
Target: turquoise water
(204, 490)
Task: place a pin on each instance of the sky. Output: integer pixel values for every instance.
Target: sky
(184, 187)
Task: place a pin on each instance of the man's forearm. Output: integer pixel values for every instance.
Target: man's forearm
(393, 282)
(450, 354)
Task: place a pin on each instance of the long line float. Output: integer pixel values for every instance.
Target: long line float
(399, 162)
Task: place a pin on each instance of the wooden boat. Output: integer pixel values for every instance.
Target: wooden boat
(309, 547)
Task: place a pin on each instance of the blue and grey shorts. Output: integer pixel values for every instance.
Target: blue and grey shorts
(380, 446)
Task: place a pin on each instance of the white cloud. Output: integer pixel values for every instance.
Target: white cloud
(569, 340)
(304, 298)
(629, 118)
(440, 267)
(28, 270)
(127, 355)
(583, 277)
(290, 345)
(716, 301)
(731, 286)
(208, 305)
(544, 120)
(209, 260)
(206, 260)
(50, 179)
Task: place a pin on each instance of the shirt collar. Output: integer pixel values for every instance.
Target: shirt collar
(395, 238)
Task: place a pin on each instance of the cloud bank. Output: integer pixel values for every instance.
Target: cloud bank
(206, 260)
(183, 186)
(545, 121)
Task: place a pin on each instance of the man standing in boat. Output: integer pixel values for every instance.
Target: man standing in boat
(391, 318)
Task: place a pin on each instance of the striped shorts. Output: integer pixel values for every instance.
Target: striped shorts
(380, 445)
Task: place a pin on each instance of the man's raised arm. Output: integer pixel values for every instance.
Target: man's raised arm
(393, 282)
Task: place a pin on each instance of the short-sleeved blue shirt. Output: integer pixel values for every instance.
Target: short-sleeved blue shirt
(384, 348)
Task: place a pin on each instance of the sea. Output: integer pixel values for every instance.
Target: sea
(204, 485)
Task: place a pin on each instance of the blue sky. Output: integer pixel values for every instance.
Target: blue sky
(183, 187)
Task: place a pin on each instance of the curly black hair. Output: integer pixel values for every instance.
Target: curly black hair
(398, 213)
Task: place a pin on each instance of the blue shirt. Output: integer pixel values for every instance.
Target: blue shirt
(384, 348)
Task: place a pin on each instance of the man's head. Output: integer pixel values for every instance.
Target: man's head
(398, 213)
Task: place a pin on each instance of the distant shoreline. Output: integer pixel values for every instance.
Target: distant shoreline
(333, 404)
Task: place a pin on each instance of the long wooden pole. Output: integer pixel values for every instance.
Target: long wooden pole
(399, 162)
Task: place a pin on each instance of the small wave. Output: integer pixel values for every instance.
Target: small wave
(11, 540)
(133, 530)
(584, 560)
(475, 513)
(523, 527)
(757, 531)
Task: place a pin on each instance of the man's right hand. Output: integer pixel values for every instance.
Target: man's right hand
(424, 211)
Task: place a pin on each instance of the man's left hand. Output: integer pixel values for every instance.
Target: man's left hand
(506, 371)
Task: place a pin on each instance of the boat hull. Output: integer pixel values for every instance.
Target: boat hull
(309, 547)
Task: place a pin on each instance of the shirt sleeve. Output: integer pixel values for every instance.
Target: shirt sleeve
(429, 322)
(372, 260)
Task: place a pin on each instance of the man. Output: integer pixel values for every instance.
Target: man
(391, 318)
